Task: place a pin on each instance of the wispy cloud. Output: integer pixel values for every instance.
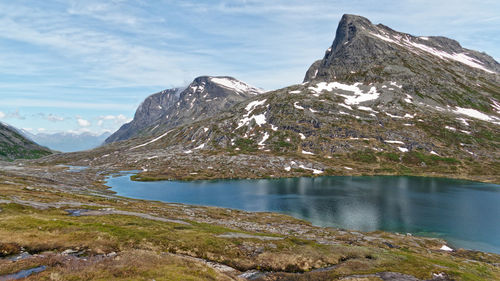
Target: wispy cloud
(104, 57)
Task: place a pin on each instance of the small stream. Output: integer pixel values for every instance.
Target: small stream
(23, 273)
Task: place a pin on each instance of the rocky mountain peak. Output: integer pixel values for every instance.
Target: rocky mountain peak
(383, 53)
(202, 98)
(348, 28)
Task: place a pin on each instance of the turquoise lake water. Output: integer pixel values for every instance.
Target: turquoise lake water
(465, 213)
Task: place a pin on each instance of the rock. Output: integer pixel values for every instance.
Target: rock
(204, 97)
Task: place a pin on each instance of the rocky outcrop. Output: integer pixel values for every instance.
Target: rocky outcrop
(150, 110)
(204, 97)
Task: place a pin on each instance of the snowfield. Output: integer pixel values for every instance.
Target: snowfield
(416, 47)
(357, 97)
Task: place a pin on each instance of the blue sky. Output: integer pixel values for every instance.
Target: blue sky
(87, 65)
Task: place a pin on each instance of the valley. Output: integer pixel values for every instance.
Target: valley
(379, 103)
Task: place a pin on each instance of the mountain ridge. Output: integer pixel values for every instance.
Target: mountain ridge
(13, 145)
(204, 97)
(375, 107)
(68, 141)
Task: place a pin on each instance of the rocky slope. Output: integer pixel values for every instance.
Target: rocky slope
(203, 98)
(15, 146)
(379, 102)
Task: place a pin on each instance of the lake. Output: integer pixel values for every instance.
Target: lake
(465, 213)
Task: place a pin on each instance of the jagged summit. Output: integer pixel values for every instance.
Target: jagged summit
(204, 97)
(360, 46)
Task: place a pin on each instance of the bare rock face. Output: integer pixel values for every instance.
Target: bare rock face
(148, 112)
(13, 145)
(432, 68)
(203, 98)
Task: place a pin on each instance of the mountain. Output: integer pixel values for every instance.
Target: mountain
(204, 97)
(379, 102)
(13, 145)
(433, 69)
(67, 141)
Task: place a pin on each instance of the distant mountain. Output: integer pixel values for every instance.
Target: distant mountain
(204, 97)
(379, 102)
(13, 145)
(68, 142)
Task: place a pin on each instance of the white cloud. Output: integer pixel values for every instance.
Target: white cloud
(54, 118)
(2, 115)
(116, 119)
(83, 122)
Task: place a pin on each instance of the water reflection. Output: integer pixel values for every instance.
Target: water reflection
(465, 213)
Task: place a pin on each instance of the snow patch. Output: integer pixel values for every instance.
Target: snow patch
(366, 108)
(403, 149)
(295, 92)
(464, 121)
(393, 116)
(297, 106)
(394, 141)
(450, 128)
(496, 106)
(396, 84)
(465, 132)
(474, 114)
(357, 97)
(201, 146)
(259, 120)
(307, 152)
(302, 137)
(236, 85)
(151, 141)
(345, 105)
(266, 136)
(252, 105)
(408, 99)
(316, 172)
(446, 248)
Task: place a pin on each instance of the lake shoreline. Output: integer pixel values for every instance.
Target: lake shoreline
(210, 186)
(37, 202)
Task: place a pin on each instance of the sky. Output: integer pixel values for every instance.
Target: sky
(85, 66)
